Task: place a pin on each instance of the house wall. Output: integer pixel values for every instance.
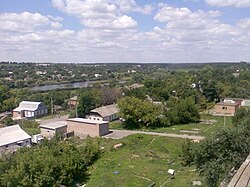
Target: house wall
(225, 109)
(111, 117)
(95, 117)
(104, 129)
(83, 129)
(246, 103)
(49, 133)
(72, 103)
(29, 114)
(26, 142)
(17, 114)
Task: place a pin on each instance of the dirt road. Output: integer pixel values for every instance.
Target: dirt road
(118, 134)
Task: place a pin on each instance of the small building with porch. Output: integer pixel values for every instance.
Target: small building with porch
(84, 127)
(51, 129)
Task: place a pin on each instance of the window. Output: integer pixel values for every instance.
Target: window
(224, 108)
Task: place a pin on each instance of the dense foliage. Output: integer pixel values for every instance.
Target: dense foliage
(53, 163)
(215, 156)
(140, 113)
(182, 111)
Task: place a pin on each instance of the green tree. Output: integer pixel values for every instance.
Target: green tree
(239, 116)
(140, 113)
(89, 100)
(182, 111)
(215, 156)
(53, 163)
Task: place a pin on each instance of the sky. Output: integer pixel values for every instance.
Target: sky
(134, 31)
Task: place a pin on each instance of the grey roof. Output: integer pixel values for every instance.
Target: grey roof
(106, 110)
(12, 134)
(54, 125)
(227, 104)
(74, 98)
(90, 121)
(27, 105)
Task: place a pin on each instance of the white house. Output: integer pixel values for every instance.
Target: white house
(29, 109)
(104, 113)
(14, 136)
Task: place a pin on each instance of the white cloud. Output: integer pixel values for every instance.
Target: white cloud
(110, 34)
(131, 6)
(244, 23)
(26, 22)
(102, 14)
(236, 3)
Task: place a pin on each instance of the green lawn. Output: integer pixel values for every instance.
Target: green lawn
(201, 129)
(141, 160)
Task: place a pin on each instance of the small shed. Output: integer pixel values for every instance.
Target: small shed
(73, 102)
(226, 108)
(83, 127)
(49, 130)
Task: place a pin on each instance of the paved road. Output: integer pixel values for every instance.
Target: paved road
(118, 134)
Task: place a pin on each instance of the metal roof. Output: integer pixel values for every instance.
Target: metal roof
(54, 125)
(105, 111)
(27, 105)
(90, 121)
(227, 104)
(12, 134)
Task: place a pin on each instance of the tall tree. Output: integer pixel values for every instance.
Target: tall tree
(89, 100)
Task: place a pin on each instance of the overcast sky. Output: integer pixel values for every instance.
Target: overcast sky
(125, 30)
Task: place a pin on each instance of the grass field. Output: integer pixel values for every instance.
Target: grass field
(200, 129)
(142, 160)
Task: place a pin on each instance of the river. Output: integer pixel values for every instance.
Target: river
(63, 86)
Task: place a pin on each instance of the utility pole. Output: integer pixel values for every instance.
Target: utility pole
(51, 106)
(225, 108)
(76, 109)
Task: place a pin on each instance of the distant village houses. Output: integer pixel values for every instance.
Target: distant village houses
(104, 113)
(29, 109)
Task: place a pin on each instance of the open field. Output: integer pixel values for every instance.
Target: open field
(194, 128)
(142, 160)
